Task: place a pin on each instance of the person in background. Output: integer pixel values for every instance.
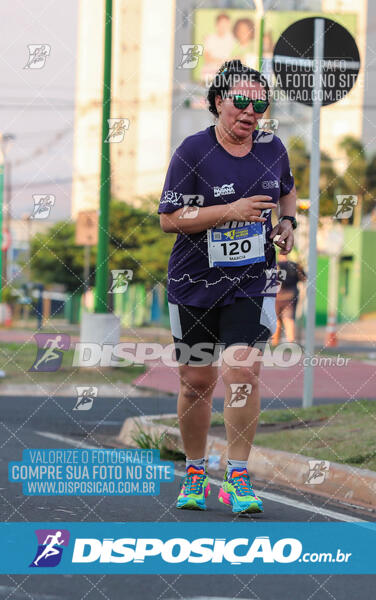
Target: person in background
(290, 273)
(217, 46)
(244, 50)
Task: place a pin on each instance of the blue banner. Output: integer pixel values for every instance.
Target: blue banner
(92, 472)
(208, 548)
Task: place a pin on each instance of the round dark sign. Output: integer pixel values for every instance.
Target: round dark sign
(294, 65)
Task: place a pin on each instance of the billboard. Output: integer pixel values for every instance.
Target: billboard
(233, 34)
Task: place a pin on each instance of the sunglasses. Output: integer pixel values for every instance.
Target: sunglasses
(241, 102)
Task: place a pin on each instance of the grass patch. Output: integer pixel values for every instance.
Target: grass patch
(16, 360)
(148, 441)
(345, 435)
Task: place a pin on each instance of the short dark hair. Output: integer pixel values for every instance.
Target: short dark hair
(232, 71)
(222, 16)
(246, 22)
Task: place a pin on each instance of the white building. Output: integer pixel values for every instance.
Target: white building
(142, 57)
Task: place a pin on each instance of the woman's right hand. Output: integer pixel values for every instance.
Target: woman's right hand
(249, 209)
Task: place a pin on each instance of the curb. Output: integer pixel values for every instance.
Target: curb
(118, 390)
(343, 483)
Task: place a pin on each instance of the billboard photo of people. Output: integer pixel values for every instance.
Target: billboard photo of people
(234, 34)
(225, 35)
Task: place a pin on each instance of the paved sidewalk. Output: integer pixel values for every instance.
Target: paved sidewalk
(358, 334)
(157, 335)
(362, 333)
(356, 380)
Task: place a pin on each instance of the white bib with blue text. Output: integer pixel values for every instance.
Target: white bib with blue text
(237, 246)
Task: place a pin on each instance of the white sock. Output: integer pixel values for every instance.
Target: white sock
(236, 464)
(199, 463)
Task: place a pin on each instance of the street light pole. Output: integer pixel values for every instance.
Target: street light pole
(103, 326)
(101, 282)
(261, 7)
(1, 220)
(261, 40)
(5, 138)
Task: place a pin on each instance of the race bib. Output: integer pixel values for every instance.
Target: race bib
(237, 246)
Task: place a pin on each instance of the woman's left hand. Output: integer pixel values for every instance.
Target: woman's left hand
(286, 239)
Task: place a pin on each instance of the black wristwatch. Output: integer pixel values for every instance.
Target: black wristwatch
(291, 219)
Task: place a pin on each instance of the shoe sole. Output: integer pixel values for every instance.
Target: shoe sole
(225, 498)
(191, 505)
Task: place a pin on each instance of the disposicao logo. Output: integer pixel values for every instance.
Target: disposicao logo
(50, 551)
(178, 550)
(51, 347)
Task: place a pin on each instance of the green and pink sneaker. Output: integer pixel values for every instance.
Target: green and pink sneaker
(194, 490)
(237, 491)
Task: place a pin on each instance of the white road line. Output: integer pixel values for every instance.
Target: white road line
(267, 495)
(65, 439)
(295, 503)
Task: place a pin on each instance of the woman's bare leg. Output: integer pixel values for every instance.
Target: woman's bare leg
(241, 420)
(289, 324)
(194, 407)
(277, 334)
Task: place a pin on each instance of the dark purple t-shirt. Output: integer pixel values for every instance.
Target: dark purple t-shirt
(203, 173)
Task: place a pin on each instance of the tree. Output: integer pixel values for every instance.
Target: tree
(299, 162)
(300, 166)
(328, 185)
(136, 243)
(359, 177)
(56, 259)
(370, 199)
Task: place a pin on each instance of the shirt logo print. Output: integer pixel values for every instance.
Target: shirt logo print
(224, 190)
(171, 197)
(271, 183)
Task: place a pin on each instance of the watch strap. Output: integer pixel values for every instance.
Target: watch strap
(291, 219)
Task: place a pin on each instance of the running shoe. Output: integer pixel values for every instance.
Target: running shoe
(194, 490)
(237, 491)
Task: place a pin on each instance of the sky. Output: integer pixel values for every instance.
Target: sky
(37, 105)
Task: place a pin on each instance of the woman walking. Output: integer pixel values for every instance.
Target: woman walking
(219, 191)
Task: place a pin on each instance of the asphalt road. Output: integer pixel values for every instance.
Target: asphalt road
(32, 422)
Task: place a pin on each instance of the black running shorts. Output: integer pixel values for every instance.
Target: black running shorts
(248, 321)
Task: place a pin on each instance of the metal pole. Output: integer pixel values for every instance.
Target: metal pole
(101, 286)
(314, 194)
(260, 14)
(28, 254)
(333, 286)
(7, 211)
(5, 139)
(86, 270)
(261, 41)
(1, 220)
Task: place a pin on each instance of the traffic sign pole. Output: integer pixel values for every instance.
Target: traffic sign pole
(86, 267)
(1, 223)
(332, 67)
(261, 41)
(101, 281)
(314, 193)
